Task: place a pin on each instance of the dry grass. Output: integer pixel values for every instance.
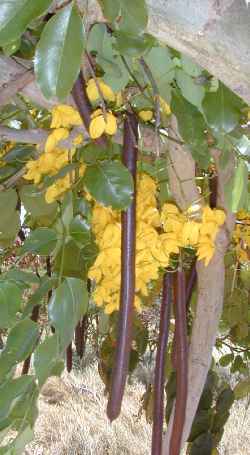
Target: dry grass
(72, 421)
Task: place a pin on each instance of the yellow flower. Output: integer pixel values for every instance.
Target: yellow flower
(206, 250)
(65, 116)
(165, 108)
(99, 125)
(56, 136)
(190, 233)
(146, 116)
(93, 93)
(119, 99)
(56, 190)
(34, 172)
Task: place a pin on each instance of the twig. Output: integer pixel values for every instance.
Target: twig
(156, 94)
(141, 88)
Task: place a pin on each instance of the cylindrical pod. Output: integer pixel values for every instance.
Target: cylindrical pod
(158, 411)
(127, 293)
(181, 344)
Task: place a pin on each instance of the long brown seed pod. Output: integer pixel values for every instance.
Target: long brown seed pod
(127, 293)
(83, 105)
(213, 187)
(158, 411)
(181, 364)
(191, 284)
(34, 317)
(81, 336)
(69, 358)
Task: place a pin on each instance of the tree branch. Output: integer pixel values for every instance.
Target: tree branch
(208, 310)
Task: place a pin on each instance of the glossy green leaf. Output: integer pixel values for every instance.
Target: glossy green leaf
(189, 66)
(58, 54)
(242, 389)
(132, 45)
(202, 445)
(19, 154)
(17, 402)
(67, 305)
(47, 360)
(224, 400)
(193, 92)
(110, 183)
(35, 204)
(128, 15)
(10, 303)
(222, 109)
(20, 343)
(192, 128)
(102, 43)
(21, 276)
(41, 241)
(15, 15)
(9, 221)
(240, 187)
(80, 231)
(202, 423)
(162, 67)
(226, 359)
(76, 260)
(46, 285)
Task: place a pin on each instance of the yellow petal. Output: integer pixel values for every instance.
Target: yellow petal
(65, 116)
(97, 127)
(111, 124)
(146, 116)
(53, 139)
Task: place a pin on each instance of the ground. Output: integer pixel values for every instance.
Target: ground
(72, 420)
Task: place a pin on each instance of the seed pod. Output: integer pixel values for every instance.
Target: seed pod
(34, 317)
(127, 293)
(69, 357)
(81, 336)
(181, 343)
(158, 412)
(213, 188)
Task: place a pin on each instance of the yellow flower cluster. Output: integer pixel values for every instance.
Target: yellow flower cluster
(241, 236)
(93, 92)
(158, 236)
(99, 124)
(54, 158)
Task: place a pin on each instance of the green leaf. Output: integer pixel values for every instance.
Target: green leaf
(240, 187)
(133, 46)
(17, 402)
(163, 69)
(67, 305)
(226, 359)
(58, 54)
(35, 204)
(21, 276)
(19, 154)
(46, 285)
(9, 221)
(80, 231)
(192, 128)
(102, 43)
(202, 445)
(222, 109)
(15, 15)
(47, 360)
(77, 261)
(110, 183)
(190, 67)
(202, 423)
(193, 92)
(220, 419)
(17, 447)
(10, 303)
(242, 389)
(20, 343)
(128, 15)
(41, 241)
(224, 400)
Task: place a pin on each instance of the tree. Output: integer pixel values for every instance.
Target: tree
(62, 161)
